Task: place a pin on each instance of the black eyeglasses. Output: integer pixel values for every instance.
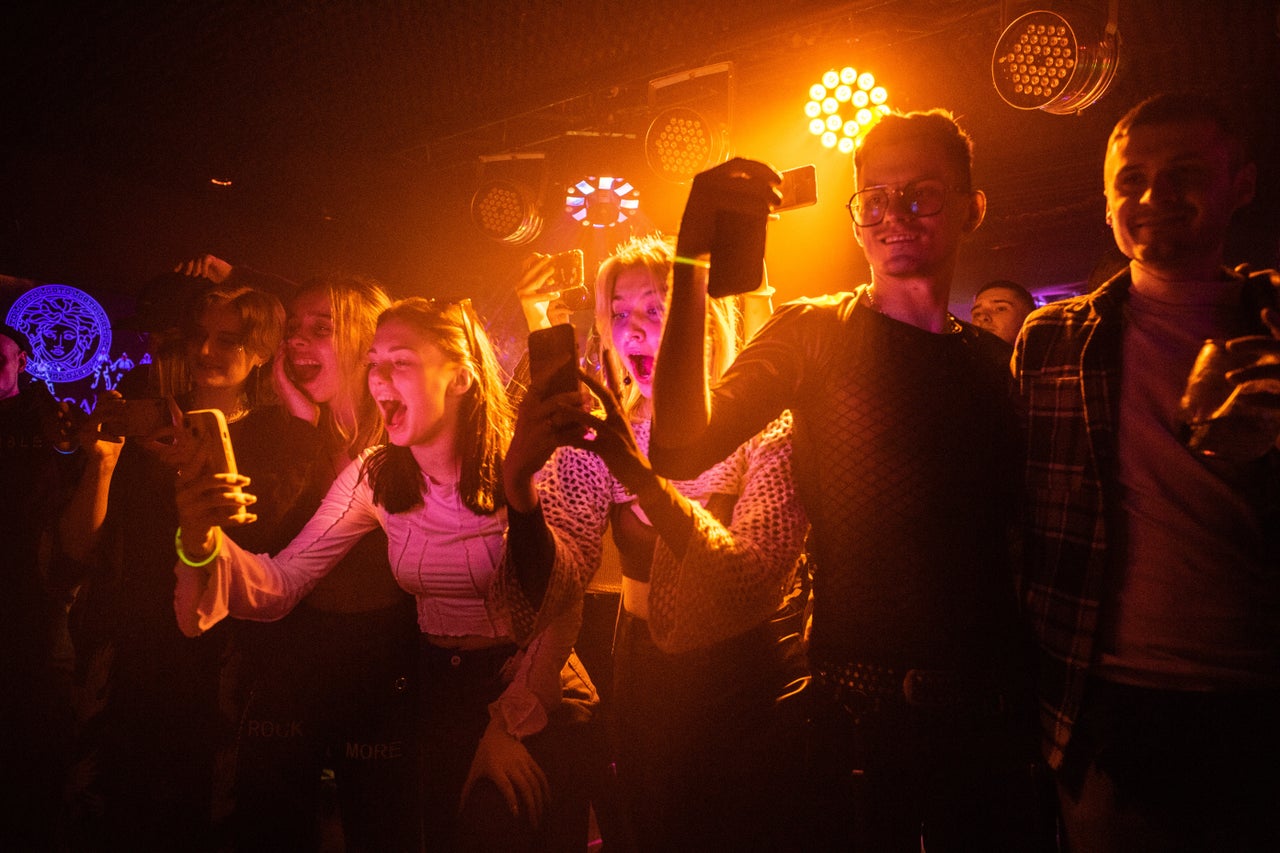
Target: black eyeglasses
(918, 198)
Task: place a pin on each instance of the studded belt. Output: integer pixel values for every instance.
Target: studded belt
(867, 688)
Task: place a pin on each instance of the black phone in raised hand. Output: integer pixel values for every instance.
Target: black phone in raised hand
(553, 359)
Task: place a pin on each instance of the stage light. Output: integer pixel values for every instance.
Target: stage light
(1041, 64)
(849, 112)
(505, 205)
(680, 143)
(692, 113)
(602, 202)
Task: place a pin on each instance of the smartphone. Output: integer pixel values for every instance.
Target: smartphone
(568, 276)
(139, 416)
(207, 429)
(568, 269)
(553, 356)
(799, 188)
(737, 254)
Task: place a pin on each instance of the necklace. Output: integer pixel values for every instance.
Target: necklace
(953, 325)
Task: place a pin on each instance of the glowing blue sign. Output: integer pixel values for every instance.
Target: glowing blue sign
(69, 332)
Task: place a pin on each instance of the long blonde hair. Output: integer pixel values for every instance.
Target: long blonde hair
(355, 303)
(654, 254)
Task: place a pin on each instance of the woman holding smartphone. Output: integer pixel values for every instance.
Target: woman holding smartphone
(708, 656)
(497, 739)
(327, 687)
(151, 721)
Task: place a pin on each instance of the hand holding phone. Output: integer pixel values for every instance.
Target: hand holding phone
(212, 453)
(568, 277)
(553, 359)
(799, 188)
(738, 243)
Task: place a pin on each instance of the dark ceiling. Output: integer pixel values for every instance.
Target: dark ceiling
(352, 132)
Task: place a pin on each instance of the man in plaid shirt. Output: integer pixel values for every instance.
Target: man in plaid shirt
(1152, 575)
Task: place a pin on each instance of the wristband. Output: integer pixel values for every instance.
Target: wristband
(213, 555)
(693, 262)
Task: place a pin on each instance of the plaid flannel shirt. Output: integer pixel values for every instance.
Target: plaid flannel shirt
(1067, 369)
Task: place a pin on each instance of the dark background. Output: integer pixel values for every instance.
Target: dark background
(352, 132)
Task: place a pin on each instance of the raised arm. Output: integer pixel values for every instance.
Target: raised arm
(731, 574)
(216, 578)
(681, 444)
(86, 510)
(712, 577)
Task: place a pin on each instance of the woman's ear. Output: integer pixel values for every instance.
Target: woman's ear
(462, 381)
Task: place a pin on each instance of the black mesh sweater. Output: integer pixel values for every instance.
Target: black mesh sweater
(904, 459)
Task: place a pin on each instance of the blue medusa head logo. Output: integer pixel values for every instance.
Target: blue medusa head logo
(70, 334)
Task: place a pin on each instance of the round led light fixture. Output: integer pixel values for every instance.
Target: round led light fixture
(843, 105)
(1040, 64)
(602, 202)
(680, 143)
(506, 211)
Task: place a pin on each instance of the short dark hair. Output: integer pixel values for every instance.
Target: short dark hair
(1021, 293)
(937, 125)
(19, 339)
(1184, 108)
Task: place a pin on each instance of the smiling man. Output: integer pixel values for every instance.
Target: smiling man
(1152, 572)
(904, 460)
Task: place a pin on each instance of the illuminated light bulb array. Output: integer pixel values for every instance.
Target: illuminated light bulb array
(602, 202)
(1041, 60)
(507, 212)
(843, 106)
(680, 144)
(1041, 63)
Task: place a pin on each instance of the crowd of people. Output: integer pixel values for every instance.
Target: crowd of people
(890, 580)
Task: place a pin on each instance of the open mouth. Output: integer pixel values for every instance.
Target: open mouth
(641, 366)
(304, 370)
(393, 412)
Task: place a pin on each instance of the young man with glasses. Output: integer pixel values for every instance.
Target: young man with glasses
(904, 460)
